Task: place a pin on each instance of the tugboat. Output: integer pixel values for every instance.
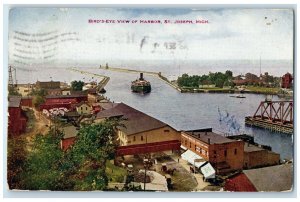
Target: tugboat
(140, 85)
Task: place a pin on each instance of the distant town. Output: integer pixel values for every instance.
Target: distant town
(248, 83)
(71, 137)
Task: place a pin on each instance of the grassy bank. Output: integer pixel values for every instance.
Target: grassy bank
(31, 120)
(115, 173)
(262, 90)
(206, 90)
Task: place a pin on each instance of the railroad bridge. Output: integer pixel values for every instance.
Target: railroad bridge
(273, 115)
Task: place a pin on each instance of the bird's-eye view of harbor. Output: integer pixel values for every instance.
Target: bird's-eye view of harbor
(150, 99)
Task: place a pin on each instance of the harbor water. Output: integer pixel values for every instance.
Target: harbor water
(183, 111)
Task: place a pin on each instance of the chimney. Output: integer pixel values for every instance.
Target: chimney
(208, 140)
(141, 76)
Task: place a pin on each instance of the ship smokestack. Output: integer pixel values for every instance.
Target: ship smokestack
(141, 76)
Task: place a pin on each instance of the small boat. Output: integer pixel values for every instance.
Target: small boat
(237, 96)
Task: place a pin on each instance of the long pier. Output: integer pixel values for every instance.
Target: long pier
(101, 84)
(274, 116)
(130, 71)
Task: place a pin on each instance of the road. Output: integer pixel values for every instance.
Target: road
(199, 177)
(40, 123)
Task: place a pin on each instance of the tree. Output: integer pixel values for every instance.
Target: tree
(81, 167)
(183, 80)
(16, 157)
(39, 92)
(37, 101)
(219, 83)
(13, 91)
(228, 73)
(77, 85)
(43, 165)
(251, 77)
(95, 145)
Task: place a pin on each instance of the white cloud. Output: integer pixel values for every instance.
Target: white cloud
(230, 34)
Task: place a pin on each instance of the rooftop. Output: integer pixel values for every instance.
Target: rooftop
(14, 101)
(82, 103)
(26, 97)
(251, 148)
(107, 105)
(53, 89)
(273, 178)
(48, 84)
(70, 131)
(136, 121)
(208, 136)
(72, 114)
(66, 96)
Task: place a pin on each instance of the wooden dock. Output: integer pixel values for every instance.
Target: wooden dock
(275, 126)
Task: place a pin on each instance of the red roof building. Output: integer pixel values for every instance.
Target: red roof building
(268, 179)
(239, 183)
(26, 101)
(58, 103)
(17, 119)
(286, 80)
(70, 133)
(224, 154)
(65, 101)
(79, 97)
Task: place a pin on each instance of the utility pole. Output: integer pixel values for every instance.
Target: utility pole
(145, 166)
(259, 65)
(146, 161)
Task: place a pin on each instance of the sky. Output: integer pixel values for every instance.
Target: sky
(55, 35)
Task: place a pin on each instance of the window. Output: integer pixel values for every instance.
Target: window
(81, 108)
(133, 138)
(215, 152)
(185, 143)
(166, 131)
(85, 108)
(142, 138)
(235, 151)
(225, 153)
